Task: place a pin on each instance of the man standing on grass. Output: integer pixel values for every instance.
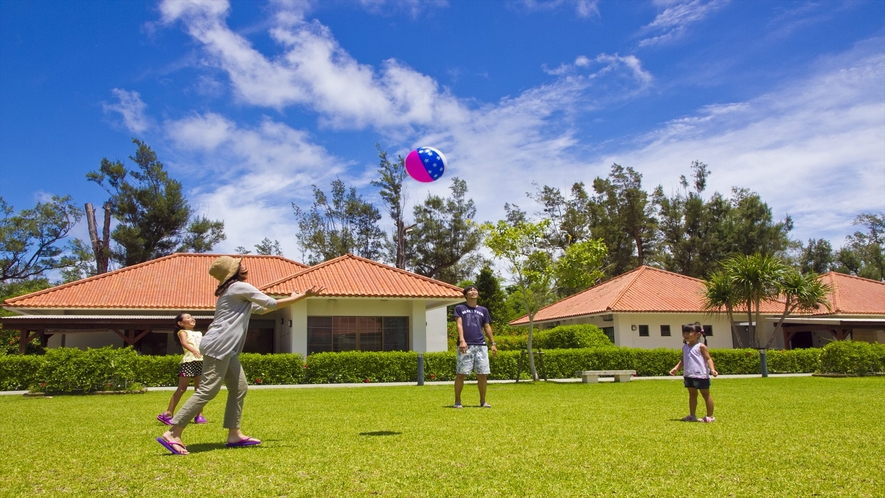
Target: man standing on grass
(473, 354)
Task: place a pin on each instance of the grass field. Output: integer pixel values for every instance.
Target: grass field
(798, 436)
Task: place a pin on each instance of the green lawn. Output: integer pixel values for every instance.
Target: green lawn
(800, 436)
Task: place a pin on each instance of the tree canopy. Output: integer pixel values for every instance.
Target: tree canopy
(154, 218)
(346, 223)
(30, 239)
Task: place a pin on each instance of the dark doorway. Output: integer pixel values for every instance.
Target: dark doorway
(154, 343)
(259, 340)
(802, 340)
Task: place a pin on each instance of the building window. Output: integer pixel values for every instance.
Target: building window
(610, 333)
(643, 331)
(708, 330)
(665, 331)
(357, 333)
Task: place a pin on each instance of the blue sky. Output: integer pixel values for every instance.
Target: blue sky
(249, 103)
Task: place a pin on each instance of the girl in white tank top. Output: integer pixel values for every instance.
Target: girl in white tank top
(697, 366)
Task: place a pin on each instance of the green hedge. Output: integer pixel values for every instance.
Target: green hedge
(66, 370)
(562, 337)
(852, 358)
(71, 370)
(17, 372)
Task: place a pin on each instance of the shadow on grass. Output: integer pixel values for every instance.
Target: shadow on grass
(380, 433)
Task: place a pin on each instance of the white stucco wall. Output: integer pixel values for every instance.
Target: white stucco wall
(83, 340)
(627, 337)
(436, 330)
(427, 329)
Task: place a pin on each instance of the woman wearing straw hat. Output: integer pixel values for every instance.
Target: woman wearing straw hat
(221, 347)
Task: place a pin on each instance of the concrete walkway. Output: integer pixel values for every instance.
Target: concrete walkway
(449, 383)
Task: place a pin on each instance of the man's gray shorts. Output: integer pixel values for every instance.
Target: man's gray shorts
(476, 359)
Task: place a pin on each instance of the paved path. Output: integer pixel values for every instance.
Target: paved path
(449, 383)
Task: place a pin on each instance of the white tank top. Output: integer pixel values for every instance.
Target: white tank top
(693, 363)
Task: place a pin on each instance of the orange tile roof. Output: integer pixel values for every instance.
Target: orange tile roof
(642, 290)
(353, 276)
(853, 295)
(178, 281)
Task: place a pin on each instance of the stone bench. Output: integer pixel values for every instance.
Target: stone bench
(592, 376)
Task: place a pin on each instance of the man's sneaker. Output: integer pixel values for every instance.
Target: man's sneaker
(199, 419)
(689, 418)
(166, 419)
(458, 405)
(485, 405)
(708, 419)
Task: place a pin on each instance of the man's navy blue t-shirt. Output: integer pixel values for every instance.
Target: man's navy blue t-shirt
(472, 321)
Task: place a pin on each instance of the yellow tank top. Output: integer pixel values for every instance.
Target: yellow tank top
(193, 339)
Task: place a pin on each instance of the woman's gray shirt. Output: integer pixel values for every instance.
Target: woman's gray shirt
(227, 333)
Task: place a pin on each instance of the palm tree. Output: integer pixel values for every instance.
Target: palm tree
(720, 295)
(800, 292)
(755, 279)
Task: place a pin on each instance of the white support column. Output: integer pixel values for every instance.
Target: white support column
(298, 314)
(418, 324)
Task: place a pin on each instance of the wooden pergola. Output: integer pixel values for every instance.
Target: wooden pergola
(839, 328)
(130, 328)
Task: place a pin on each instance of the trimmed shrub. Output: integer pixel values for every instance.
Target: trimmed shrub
(158, 370)
(735, 361)
(273, 369)
(18, 372)
(69, 370)
(852, 358)
(561, 337)
(572, 337)
(794, 360)
(359, 366)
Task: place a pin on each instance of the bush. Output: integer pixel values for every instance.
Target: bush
(561, 337)
(19, 372)
(794, 360)
(68, 370)
(572, 337)
(273, 369)
(158, 370)
(361, 366)
(736, 361)
(852, 358)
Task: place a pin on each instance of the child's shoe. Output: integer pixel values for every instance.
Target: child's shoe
(200, 419)
(166, 419)
(689, 418)
(708, 419)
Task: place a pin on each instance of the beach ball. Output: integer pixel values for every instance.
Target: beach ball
(426, 164)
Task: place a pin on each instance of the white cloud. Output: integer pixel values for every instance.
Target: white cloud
(812, 149)
(612, 67)
(131, 108)
(802, 146)
(677, 16)
(248, 176)
(583, 8)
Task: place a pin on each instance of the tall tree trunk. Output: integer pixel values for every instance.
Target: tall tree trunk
(100, 247)
(528, 344)
(735, 337)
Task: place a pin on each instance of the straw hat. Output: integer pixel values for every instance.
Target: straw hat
(224, 267)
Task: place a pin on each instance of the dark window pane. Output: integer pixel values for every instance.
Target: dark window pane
(708, 330)
(319, 334)
(665, 331)
(396, 333)
(643, 331)
(610, 332)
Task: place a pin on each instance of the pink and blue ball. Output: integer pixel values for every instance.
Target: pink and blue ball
(426, 164)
